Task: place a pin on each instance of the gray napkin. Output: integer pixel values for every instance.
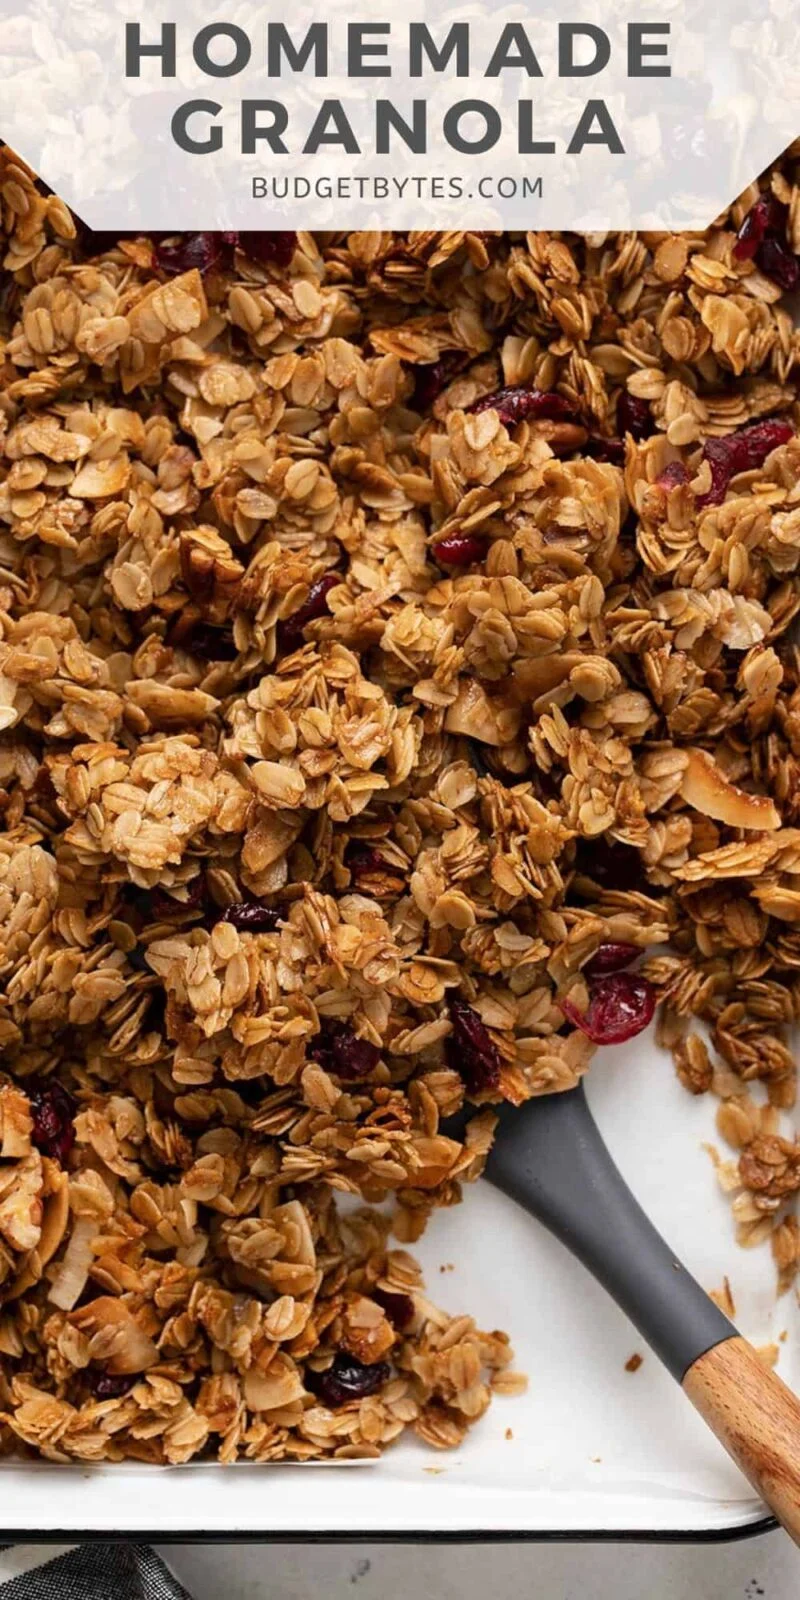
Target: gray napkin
(86, 1572)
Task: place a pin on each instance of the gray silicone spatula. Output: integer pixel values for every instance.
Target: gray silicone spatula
(548, 1155)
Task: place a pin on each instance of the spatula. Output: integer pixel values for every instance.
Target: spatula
(549, 1156)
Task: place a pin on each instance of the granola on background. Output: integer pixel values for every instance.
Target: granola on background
(396, 643)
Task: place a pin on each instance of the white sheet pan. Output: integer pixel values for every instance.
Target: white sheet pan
(594, 1449)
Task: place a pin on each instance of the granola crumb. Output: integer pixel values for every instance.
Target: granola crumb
(767, 1354)
(723, 1297)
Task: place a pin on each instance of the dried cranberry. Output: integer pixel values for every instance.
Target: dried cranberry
(162, 905)
(762, 237)
(742, 451)
(518, 403)
(201, 250)
(365, 863)
(620, 1006)
(601, 448)
(290, 632)
(338, 1049)
(53, 1110)
(399, 1308)
(347, 1379)
(460, 550)
(274, 248)
(762, 218)
(610, 958)
(250, 916)
(362, 858)
(634, 416)
(673, 476)
(611, 864)
(434, 376)
(113, 1385)
(471, 1050)
(206, 251)
(780, 264)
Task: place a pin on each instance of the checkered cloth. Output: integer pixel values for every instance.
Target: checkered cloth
(86, 1572)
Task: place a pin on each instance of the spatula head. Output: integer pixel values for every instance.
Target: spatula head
(548, 1155)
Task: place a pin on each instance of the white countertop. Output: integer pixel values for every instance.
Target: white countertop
(766, 1568)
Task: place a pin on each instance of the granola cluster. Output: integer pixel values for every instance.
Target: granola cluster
(388, 625)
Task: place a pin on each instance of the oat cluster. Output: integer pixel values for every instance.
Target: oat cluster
(347, 714)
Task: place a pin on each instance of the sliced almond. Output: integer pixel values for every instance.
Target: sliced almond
(705, 787)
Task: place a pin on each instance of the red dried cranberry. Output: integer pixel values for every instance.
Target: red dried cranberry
(339, 1050)
(361, 857)
(471, 1050)
(290, 632)
(634, 416)
(762, 218)
(742, 451)
(112, 1385)
(620, 1006)
(270, 249)
(347, 1379)
(162, 905)
(610, 958)
(762, 237)
(780, 264)
(204, 251)
(399, 1308)
(434, 376)
(518, 403)
(53, 1110)
(460, 550)
(250, 916)
(673, 476)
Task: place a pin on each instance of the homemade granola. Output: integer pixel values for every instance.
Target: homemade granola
(396, 644)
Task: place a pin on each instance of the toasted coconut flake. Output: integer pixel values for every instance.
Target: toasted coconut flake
(73, 1271)
(706, 788)
(477, 716)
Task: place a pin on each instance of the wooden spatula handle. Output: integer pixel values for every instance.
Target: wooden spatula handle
(757, 1419)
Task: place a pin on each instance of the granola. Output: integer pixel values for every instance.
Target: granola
(396, 641)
